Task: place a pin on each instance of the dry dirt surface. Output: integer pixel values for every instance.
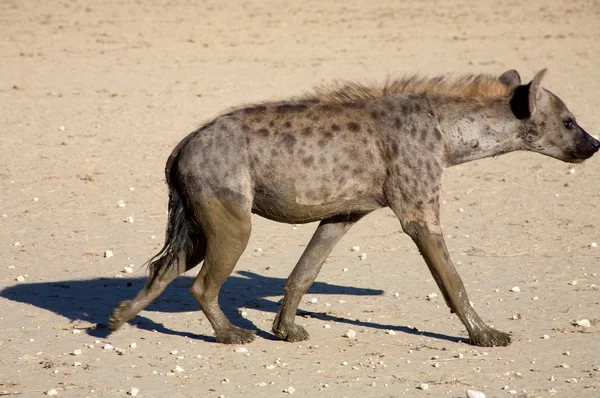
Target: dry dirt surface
(94, 96)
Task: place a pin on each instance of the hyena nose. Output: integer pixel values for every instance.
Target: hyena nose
(595, 144)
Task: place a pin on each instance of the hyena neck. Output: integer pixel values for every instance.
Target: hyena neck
(480, 132)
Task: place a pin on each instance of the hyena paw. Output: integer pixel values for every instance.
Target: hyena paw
(490, 338)
(291, 333)
(119, 317)
(235, 335)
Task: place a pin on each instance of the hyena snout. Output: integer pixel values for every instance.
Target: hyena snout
(586, 147)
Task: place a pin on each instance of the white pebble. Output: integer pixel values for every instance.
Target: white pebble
(133, 392)
(423, 386)
(363, 256)
(17, 244)
(513, 392)
(62, 128)
(121, 203)
(241, 349)
(128, 270)
(76, 352)
(327, 326)
(178, 369)
(573, 283)
(391, 332)
(515, 289)
(290, 390)
(475, 394)
(396, 294)
(345, 269)
(131, 189)
(132, 345)
(461, 210)
(545, 337)
(583, 322)
(593, 244)
(314, 300)
(344, 363)
(108, 254)
(35, 199)
(258, 250)
(76, 331)
(174, 352)
(76, 363)
(351, 334)
(107, 347)
(431, 296)
(459, 356)
(355, 248)
(129, 220)
(20, 278)
(51, 392)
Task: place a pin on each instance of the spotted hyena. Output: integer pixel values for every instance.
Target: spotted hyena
(334, 156)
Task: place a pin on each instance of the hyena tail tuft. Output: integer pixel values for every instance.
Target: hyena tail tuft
(181, 237)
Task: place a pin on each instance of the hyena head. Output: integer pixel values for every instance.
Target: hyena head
(547, 125)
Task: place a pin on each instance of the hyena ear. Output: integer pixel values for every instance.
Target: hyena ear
(536, 92)
(510, 79)
(527, 98)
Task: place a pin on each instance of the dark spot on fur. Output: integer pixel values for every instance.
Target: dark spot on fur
(245, 128)
(335, 127)
(395, 148)
(398, 123)
(309, 160)
(417, 108)
(354, 127)
(291, 108)
(306, 131)
(374, 115)
(365, 140)
(264, 132)
(437, 133)
(289, 141)
(271, 124)
(287, 125)
(255, 109)
(274, 153)
(424, 133)
(322, 160)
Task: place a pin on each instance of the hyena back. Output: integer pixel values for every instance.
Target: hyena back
(335, 156)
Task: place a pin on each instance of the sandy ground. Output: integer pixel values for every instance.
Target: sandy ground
(93, 97)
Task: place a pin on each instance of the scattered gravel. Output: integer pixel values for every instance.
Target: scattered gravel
(475, 394)
(583, 322)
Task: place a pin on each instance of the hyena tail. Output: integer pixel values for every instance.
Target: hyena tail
(183, 234)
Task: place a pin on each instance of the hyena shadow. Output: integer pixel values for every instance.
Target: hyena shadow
(90, 301)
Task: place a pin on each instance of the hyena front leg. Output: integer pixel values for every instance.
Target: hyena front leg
(424, 228)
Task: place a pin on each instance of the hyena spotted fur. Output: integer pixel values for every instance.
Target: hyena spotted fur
(334, 156)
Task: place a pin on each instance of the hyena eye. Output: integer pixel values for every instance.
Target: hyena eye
(569, 123)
